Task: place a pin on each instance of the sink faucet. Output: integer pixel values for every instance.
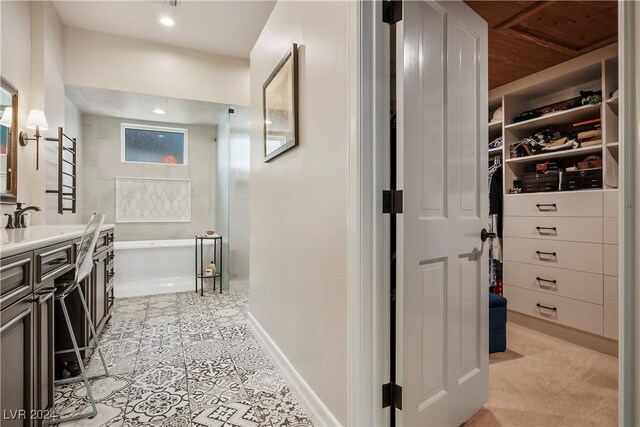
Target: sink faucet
(18, 215)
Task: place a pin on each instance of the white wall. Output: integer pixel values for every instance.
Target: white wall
(298, 207)
(112, 62)
(15, 66)
(32, 60)
(47, 93)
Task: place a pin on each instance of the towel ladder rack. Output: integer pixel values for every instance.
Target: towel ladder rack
(66, 196)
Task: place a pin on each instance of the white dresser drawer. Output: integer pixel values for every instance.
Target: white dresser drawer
(610, 231)
(555, 281)
(566, 311)
(611, 206)
(611, 260)
(577, 229)
(611, 289)
(580, 203)
(570, 255)
(611, 323)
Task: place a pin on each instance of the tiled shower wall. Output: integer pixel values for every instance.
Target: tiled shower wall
(102, 164)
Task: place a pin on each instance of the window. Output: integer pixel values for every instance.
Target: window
(154, 144)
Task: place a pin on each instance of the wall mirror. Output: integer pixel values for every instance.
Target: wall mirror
(8, 142)
(280, 106)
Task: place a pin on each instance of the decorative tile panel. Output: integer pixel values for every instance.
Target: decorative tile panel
(153, 200)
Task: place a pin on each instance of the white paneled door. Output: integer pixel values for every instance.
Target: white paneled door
(442, 169)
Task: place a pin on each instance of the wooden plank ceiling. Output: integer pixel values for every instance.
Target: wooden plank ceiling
(528, 36)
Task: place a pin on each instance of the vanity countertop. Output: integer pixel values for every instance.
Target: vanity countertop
(20, 240)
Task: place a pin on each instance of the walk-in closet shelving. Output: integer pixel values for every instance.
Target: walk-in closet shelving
(597, 71)
(548, 235)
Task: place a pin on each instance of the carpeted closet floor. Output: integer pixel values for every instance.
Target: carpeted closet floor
(544, 381)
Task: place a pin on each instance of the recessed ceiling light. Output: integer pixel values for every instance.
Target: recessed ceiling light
(159, 111)
(167, 22)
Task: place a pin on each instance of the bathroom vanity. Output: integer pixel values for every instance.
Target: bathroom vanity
(32, 260)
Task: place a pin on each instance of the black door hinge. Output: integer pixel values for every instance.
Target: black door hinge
(391, 396)
(391, 11)
(392, 201)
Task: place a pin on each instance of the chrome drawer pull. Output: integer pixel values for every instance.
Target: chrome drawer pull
(551, 229)
(549, 254)
(546, 206)
(546, 307)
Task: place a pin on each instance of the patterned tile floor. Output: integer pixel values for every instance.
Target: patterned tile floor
(183, 360)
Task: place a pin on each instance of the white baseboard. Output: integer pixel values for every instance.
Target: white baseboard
(317, 411)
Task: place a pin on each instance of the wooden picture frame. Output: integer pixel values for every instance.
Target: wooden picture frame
(280, 107)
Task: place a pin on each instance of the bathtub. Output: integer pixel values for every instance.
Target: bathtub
(150, 267)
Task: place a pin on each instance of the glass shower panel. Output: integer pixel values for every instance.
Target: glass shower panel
(239, 163)
(222, 192)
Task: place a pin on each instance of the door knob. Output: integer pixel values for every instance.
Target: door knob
(484, 235)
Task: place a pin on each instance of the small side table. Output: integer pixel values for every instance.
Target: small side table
(217, 260)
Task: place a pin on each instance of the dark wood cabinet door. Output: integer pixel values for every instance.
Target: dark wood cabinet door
(44, 304)
(16, 360)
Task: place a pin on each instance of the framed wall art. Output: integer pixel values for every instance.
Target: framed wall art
(280, 106)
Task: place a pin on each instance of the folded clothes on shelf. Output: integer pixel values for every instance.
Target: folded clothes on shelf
(590, 143)
(589, 134)
(546, 140)
(563, 143)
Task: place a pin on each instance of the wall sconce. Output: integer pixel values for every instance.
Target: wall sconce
(35, 121)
